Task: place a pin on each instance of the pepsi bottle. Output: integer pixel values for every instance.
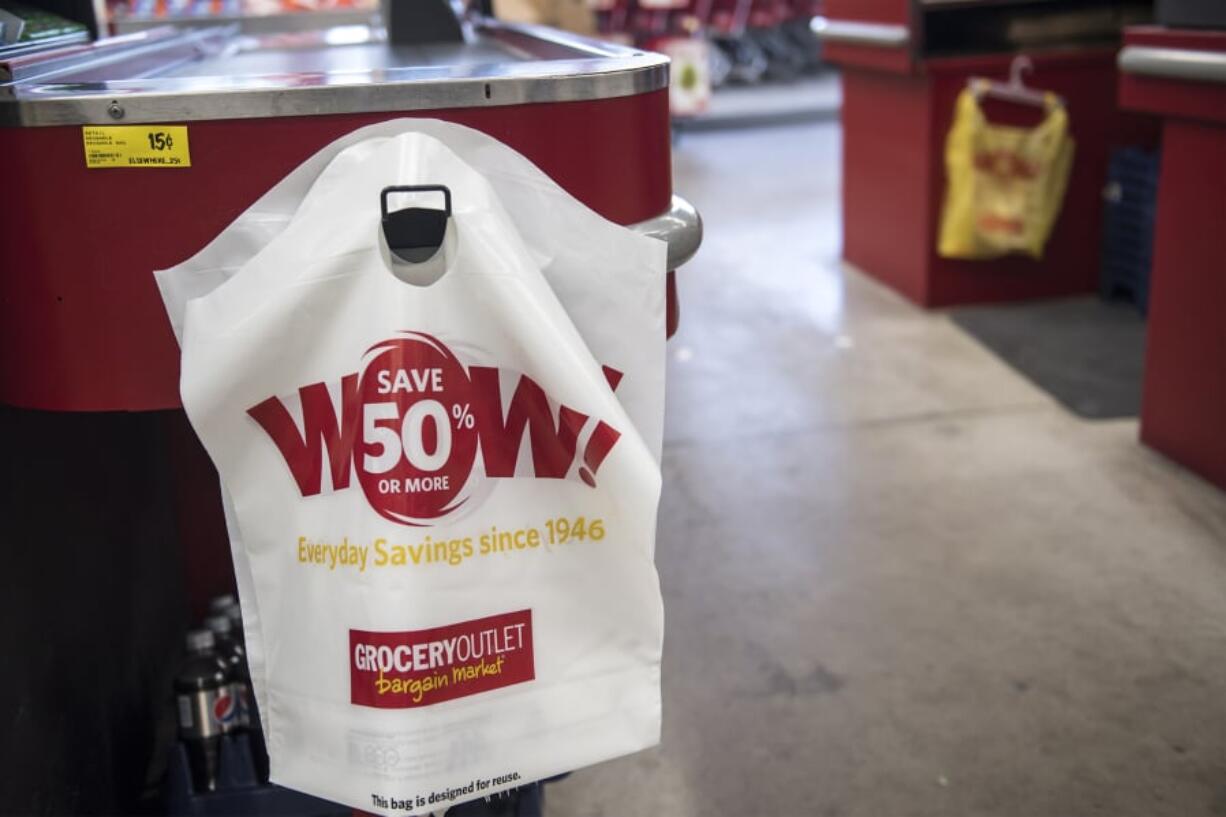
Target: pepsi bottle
(250, 714)
(202, 684)
(236, 715)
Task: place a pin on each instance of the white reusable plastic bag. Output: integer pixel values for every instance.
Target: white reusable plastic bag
(442, 517)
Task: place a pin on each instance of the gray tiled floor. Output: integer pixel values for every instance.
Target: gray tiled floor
(899, 580)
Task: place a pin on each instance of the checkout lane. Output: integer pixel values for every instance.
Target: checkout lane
(89, 367)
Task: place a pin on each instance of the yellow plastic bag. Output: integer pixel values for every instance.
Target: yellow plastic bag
(1005, 184)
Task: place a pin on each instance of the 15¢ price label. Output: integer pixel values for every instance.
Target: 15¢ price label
(136, 146)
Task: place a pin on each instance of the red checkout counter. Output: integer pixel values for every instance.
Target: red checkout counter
(903, 64)
(82, 326)
(115, 537)
(1179, 75)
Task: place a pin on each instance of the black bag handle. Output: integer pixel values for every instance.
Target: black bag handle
(415, 233)
(416, 188)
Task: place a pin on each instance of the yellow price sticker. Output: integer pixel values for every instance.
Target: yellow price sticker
(136, 146)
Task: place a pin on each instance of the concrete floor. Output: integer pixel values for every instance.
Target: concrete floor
(899, 580)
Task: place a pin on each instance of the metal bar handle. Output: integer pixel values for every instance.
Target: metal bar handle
(1174, 63)
(854, 32)
(679, 226)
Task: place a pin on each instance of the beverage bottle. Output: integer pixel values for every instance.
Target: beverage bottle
(202, 682)
(241, 716)
(250, 715)
(220, 604)
(234, 714)
(227, 605)
(235, 613)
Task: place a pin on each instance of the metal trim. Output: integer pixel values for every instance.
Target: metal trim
(599, 71)
(680, 226)
(255, 23)
(164, 40)
(854, 32)
(1173, 63)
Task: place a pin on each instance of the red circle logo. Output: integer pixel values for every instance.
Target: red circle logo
(418, 438)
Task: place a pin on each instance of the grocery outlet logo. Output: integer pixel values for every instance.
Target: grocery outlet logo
(401, 670)
(413, 422)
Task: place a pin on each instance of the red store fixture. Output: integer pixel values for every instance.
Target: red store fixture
(82, 327)
(1180, 76)
(903, 64)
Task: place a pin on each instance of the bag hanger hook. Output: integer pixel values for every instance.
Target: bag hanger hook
(1018, 68)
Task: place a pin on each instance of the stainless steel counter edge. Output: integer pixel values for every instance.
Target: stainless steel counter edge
(680, 226)
(1173, 63)
(606, 71)
(853, 32)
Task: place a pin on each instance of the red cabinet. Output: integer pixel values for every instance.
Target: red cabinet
(903, 65)
(1180, 76)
